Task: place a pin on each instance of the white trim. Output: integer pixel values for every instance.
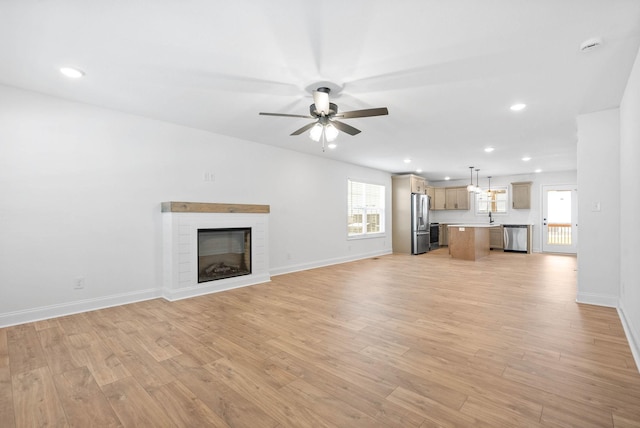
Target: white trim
(76, 307)
(327, 262)
(597, 299)
(633, 336)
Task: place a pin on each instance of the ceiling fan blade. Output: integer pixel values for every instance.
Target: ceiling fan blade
(381, 111)
(345, 128)
(304, 128)
(321, 101)
(287, 115)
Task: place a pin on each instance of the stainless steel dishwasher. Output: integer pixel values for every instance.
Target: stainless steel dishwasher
(515, 238)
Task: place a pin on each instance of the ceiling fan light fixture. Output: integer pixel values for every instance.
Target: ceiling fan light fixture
(325, 128)
(316, 132)
(330, 132)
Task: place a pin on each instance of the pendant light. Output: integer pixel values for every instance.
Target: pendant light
(489, 191)
(471, 187)
(477, 189)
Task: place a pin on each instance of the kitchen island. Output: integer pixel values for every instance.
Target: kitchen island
(469, 241)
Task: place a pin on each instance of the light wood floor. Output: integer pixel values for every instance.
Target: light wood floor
(394, 341)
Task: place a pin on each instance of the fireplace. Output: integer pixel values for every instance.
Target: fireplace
(182, 223)
(223, 253)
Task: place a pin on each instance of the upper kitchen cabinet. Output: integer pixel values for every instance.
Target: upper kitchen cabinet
(437, 198)
(431, 192)
(521, 195)
(456, 198)
(418, 185)
(440, 198)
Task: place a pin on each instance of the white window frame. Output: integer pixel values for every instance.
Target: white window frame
(484, 192)
(381, 210)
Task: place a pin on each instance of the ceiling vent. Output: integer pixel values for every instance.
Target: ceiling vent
(590, 44)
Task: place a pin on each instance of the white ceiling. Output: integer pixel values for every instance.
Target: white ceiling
(448, 70)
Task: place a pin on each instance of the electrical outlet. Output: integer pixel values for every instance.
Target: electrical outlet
(79, 283)
(209, 176)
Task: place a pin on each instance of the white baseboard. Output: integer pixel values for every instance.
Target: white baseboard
(63, 309)
(633, 336)
(53, 311)
(598, 299)
(327, 262)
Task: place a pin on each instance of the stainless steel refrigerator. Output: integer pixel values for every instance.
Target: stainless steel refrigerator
(419, 223)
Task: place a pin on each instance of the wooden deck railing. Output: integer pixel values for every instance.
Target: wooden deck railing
(559, 233)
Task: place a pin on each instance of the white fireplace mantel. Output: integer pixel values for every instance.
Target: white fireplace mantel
(180, 224)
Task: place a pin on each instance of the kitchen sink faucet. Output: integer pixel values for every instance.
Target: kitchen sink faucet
(490, 218)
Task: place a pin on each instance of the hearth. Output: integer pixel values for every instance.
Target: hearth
(223, 253)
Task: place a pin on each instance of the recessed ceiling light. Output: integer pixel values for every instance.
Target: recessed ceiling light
(418, 170)
(537, 170)
(489, 149)
(332, 145)
(72, 73)
(518, 107)
(526, 158)
(407, 160)
(447, 178)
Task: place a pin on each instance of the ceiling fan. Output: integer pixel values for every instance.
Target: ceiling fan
(326, 126)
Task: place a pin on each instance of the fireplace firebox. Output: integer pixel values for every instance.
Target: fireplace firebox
(223, 253)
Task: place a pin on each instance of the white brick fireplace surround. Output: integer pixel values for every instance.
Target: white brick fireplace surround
(180, 224)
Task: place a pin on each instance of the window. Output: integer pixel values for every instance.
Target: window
(494, 201)
(365, 209)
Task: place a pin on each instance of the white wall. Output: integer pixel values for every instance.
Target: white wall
(81, 193)
(599, 183)
(629, 209)
(513, 216)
